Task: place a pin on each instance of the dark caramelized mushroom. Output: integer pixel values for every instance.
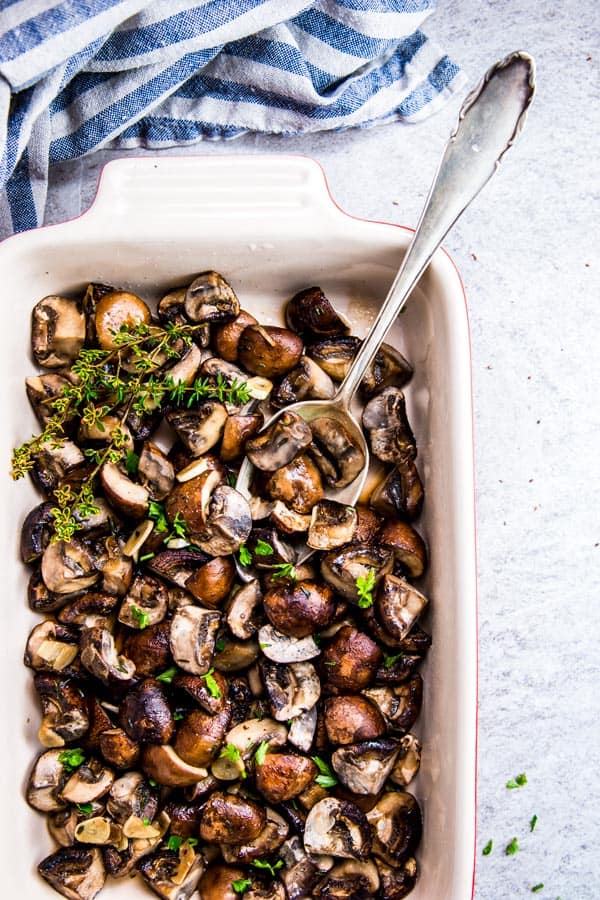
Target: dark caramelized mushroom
(300, 608)
(210, 298)
(42, 390)
(350, 661)
(268, 841)
(364, 767)
(46, 781)
(217, 882)
(227, 819)
(164, 766)
(192, 639)
(388, 368)
(280, 443)
(268, 350)
(400, 493)
(397, 827)
(149, 649)
(310, 312)
(36, 532)
(342, 568)
(155, 471)
(407, 546)
(68, 567)
(292, 688)
(226, 338)
(64, 709)
(115, 310)
(146, 715)
(212, 582)
(100, 657)
(399, 705)
(238, 429)
(297, 484)
(282, 776)
(332, 524)
(123, 494)
(337, 828)
(307, 381)
(391, 437)
(75, 872)
(398, 605)
(336, 453)
(173, 875)
(201, 428)
(349, 719)
(200, 736)
(349, 879)
(398, 881)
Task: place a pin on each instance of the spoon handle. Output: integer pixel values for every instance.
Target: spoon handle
(489, 121)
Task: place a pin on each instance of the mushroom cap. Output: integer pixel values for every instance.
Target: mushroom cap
(210, 298)
(337, 454)
(397, 827)
(68, 567)
(75, 872)
(228, 524)
(228, 819)
(115, 310)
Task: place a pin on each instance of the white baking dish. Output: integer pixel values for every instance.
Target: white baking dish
(269, 225)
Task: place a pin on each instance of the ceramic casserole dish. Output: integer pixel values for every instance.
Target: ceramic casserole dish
(269, 225)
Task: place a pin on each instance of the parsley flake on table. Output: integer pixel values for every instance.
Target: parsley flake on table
(364, 586)
(512, 848)
(533, 823)
(488, 848)
(537, 887)
(519, 781)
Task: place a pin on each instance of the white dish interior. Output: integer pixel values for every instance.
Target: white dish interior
(268, 224)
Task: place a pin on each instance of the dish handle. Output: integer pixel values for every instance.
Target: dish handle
(147, 192)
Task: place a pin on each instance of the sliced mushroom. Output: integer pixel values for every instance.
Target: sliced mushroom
(36, 532)
(63, 822)
(228, 523)
(75, 872)
(272, 890)
(226, 338)
(282, 648)
(407, 546)
(227, 819)
(350, 661)
(398, 605)
(146, 602)
(212, 582)
(176, 567)
(335, 451)
(342, 568)
(51, 647)
(116, 567)
(163, 765)
(242, 608)
(397, 827)
(408, 762)
(200, 736)
(282, 776)
(192, 639)
(299, 609)
(349, 879)
(307, 381)
(239, 429)
(337, 828)
(332, 524)
(145, 713)
(400, 493)
(335, 354)
(191, 499)
(89, 782)
(55, 462)
(100, 657)
(300, 872)
(46, 781)
(155, 471)
(173, 875)
(270, 838)
(250, 734)
(268, 350)
(286, 520)
(389, 367)
(57, 331)
(302, 729)
(64, 710)
(195, 685)
(298, 485)
(280, 443)
(311, 313)
(349, 719)
(39, 598)
(116, 311)
(122, 493)
(400, 705)
(207, 463)
(367, 526)
(398, 881)
(210, 298)
(292, 688)
(201, 428)
(235, 655)
(363, 768)
(391, 437)
(89, 609)
(104, 430)
(68, 567)
(42, 390)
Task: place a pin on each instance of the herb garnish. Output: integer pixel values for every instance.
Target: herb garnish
(230, 751)
(364, 586)
(327, 778)
(132, 462)
(241, 884)
(390, 661)
(245, 556)
(262, 548)
(533, 823)
(517, 782)
(142, 618)
(168, 675)
(72, 759)
(263, 864)
(261, 752)
(284, 570)
(85, 808)
(213, 688)
(512, 848)
(488, 848)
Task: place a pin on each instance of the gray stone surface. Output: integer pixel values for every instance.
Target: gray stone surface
(528, 254)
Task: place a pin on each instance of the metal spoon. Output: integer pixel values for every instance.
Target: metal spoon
(489, 121)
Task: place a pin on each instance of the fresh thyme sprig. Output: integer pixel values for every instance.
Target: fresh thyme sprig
(116, 381)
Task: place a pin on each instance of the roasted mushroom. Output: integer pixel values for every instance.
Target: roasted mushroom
(123, 494)
(146, 602)
(173, 875)
(57, 331)
(408, 761)
(338, 828)
(332, 525)
(192, 639)
(364, 767)
(55, 462)
(350, 661)
(115, 311)
(282, 648)
(75, 872)
(292, 688)
(227, 819)
(42, 390)
(64, 710)
(270, 838)
(300, 608)
(307, 381)
(342, 568)
(155, 471)
(349, 719)
(282, 776)
(201, 428)
(100, 657)
(164, 766)
(397, 827)
(68, 567)
(351, 878)
(210, 298)
(268, 350)
(311, 313)
(46, 781)
(91, 780)
(400, 493)
(391, 437)
(226, 338)
(297, 484)
(280, 443)
(145, 713)
(200, 735)
(398, 605)
(36, 532)
(336, 453)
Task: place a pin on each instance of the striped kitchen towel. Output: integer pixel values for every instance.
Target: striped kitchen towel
(77, 75)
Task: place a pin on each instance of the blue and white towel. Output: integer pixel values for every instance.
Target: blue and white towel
(77, 75)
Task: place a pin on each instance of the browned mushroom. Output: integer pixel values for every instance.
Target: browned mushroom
(42, 390)
(238, 429)
(68, 567)
(226, 338)
(350, 661)
(349, 719)
(228, 522)
(118, 749)
(364, 767)
(210, 298)
(407, 546)
(384, 417)
(297, 484)
(64, 709)
(268, 350)
(350, 878)
(398, 881)
(201, 428)
(398, 605)
(46, 781)
(173, 875)
(399, 705)
(336, 453)
(227, 819)
(36, 532)
(191, 499)
(307, 381)
(117, 310)
(338, 828)
(397, 826)
(145, 713)
(300, 608)
(123, 494)
(342, 568)
(282, 776)
(212, 582)
(292, 688)
(91, 780)
(311, 313)
(200, 735)
(146, 602)
(100, 657)
(164, 766)
(75, 872)
(400, 493)
(332, 525)
(408, 761)
(89, 609)
(155, 471)
(280, 443)
(192, 639)
(51, 647)
(264, 844)
(57, 331)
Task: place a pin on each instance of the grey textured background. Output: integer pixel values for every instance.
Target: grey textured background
(528, 255)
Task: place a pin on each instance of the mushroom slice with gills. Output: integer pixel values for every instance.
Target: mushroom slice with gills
(116, 567)
(342, 568)
(57, 331)
(292, 688)
(155, 471)
(235, 655)
(268, 350)
(195, 686)
(335, 354)
(76, 872)
(364, 767)
(407, 545)
(268, 841)
(192, 640)
(398, 881)
(248, 735)
(177, 566)
(390, 434)
(228, 523)
(335, 451)
(200, 736)
(300, 872)
(332, 524)
(99, 656)
(146, 602)
(89, 782)
(39, 598)
(280, 443)
(231, 819)
(350, 661)
(165, 767)
(238, 429)
(337, 828)
(226, 337)
(286, 520)
(145, 713)
(63, 822)
(298, 485)
(282, 776)
(311, 313)
(351, 719)
(399, 705)
(125, 496)
(42, 390)
(187, 470)
(51, 647)
(400, 493)
(397, 827)
(89, 609)
(307, 381)
(408, 762)
(302, 729)
(64, 710)
(388, 367)
(56, 461)
(36, 532)
(191, 499)
(210, 298)
(349, 879)
(268, 549)
(398, 605)
(68, 567)
(211, 583)
(299, 609)
(242, 609)
(46, 781)
(173, 875)
(201, 428)
(281, 648)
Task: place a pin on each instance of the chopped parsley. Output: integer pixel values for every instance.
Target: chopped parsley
(147, 556)
(174, 842)
(220, 645)
(364, 586)
(168, 675)
(156, 512)
(512, 848)
(146, 821)
(261, 752)
(284, 570)
(326, 778)
(533, 823)
(142, 618)
(263, 864)
(488, 848)
(177, 715)
(519, 781)
(72, 759)
(132, 462)
(244, 555)
(85, 808)
(262, 548)
(390, 661)
(241, 884)
(179, 528)
(230, 751)
(213, 688)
